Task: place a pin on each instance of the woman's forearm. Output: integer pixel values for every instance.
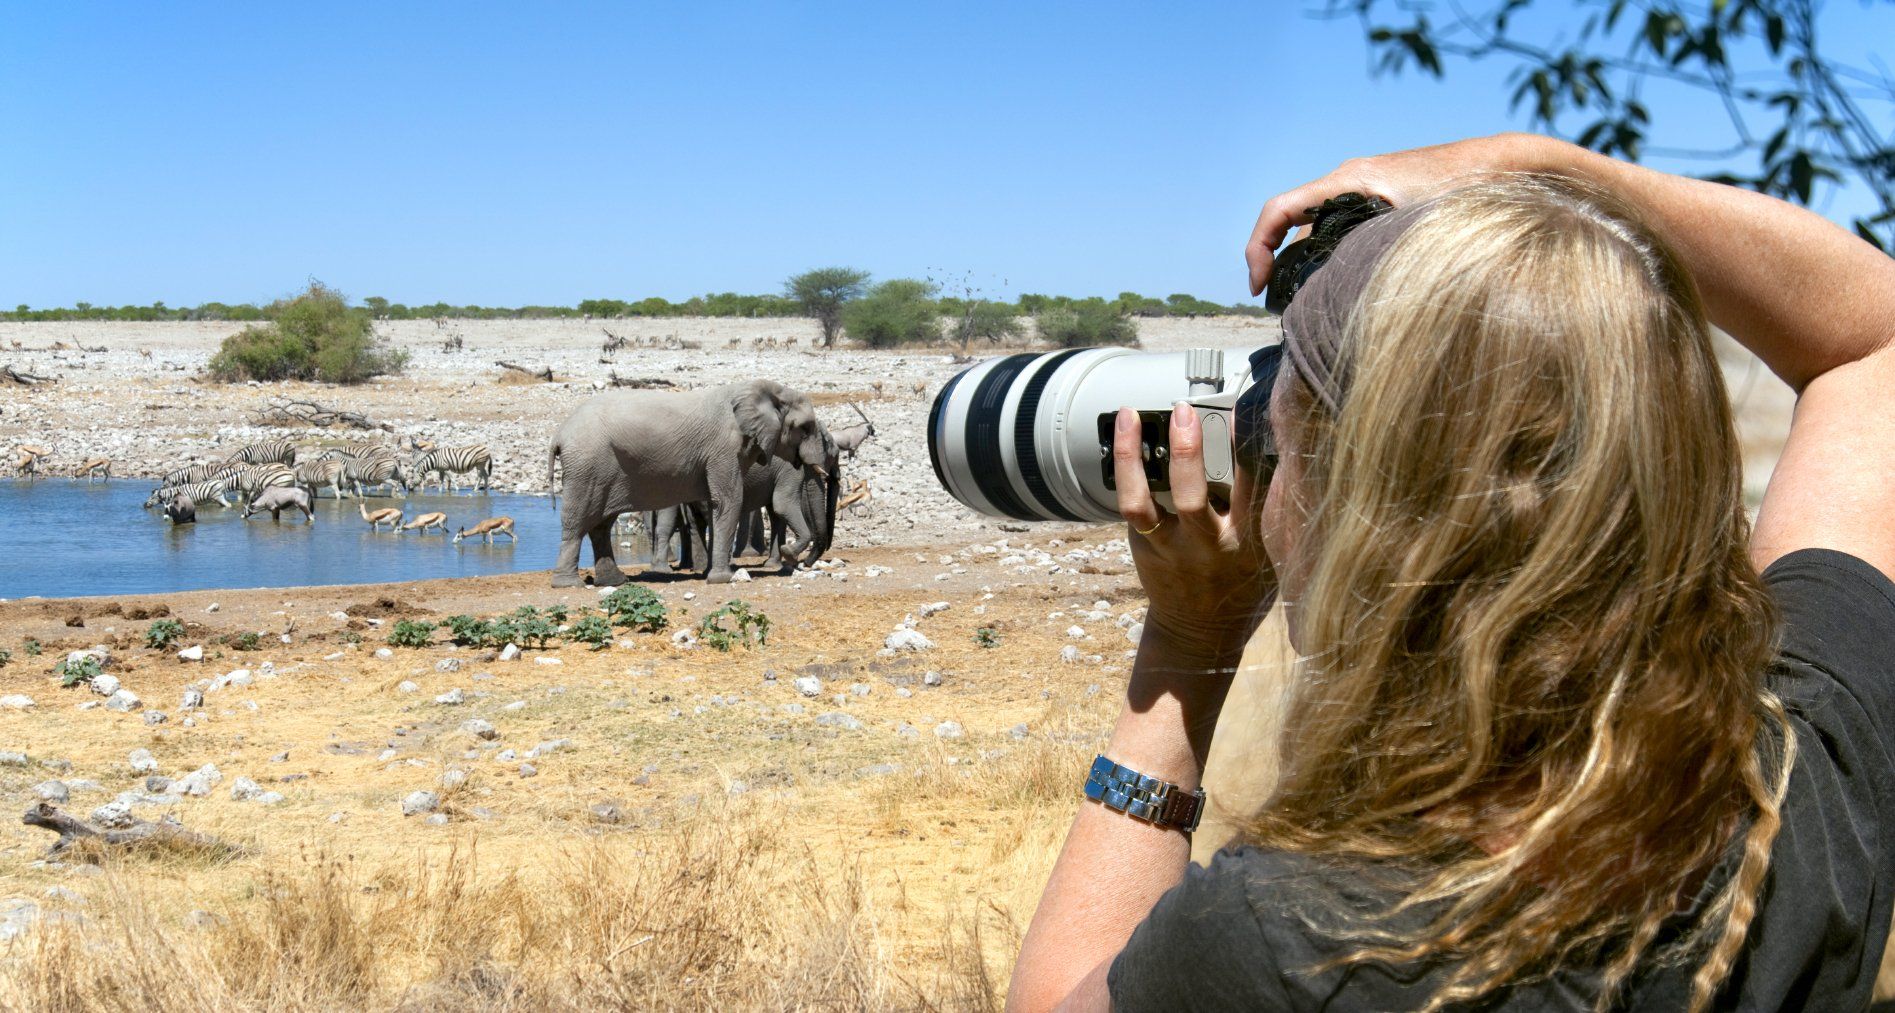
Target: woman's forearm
(1114, 868)
(1801, 292)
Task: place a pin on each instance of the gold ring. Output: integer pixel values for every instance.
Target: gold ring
(1147, 531)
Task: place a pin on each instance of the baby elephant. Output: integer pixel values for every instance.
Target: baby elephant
(182, 510)
(277, 499)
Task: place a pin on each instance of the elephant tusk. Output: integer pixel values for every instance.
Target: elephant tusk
(820, 471)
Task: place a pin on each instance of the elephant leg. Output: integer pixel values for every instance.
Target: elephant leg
(774, 560)
(605, 568)
(661, 524)
(572, 529)
(696, 535)
(727, 500)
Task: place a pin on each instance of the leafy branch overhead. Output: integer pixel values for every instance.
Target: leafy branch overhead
(1582, 69)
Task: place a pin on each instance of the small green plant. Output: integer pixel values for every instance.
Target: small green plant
(351, 637)
(987, 636)
(247, 641)
(591, 629)
(556, 614)
(736, 623)
(409, 633)
(5, 656)
(160, 635)
(526, 626)
(636, 608)
(72, 672)
(468, 631)
(31, 647)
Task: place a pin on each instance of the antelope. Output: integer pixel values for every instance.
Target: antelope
(28, 464)
(612, 343)
(487, 529)
(94, 467)
(789, 342)
(921, 388)
(145, 353)
(390, 516)
(850, 439)
(858, 497)
(426, 521)
(36, 451)
(733, 343)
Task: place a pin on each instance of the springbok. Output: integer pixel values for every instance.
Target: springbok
(94, 467)
(488, 528)
(390, 516)
(858, 497)
(426, 521)
(28, 464)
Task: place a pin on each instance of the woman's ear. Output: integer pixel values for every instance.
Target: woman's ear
(759, 410)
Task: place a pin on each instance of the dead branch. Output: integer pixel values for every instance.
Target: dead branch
(142, 834)
(545, 373)
(13, 376)
(640, 382)
(285, 412)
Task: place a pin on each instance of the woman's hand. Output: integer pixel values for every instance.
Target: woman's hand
(1204, 570)
(1398, 178)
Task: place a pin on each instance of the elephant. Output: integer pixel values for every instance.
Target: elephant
(802, 500)
(686, 522)
(279, 498)
(626, 450)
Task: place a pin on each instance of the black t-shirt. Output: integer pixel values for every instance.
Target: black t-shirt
(1237, 935)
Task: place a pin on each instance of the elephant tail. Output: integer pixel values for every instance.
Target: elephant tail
(552, 461)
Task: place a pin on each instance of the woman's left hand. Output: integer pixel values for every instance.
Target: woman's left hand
(1204, 570)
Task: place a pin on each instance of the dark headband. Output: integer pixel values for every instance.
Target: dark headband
(1314, 322)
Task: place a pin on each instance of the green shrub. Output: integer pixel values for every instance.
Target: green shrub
(591, 629)
(468, 631)
(525, 626)
(160, 635)
(986, 321)
(5, 656)
(247, 642)
(734, 624)
(409, 633)
(823, 293)
(636, 608)
(1085, 323)
(987, 636)
(896, 312)
(72, 673)
(315, 336)
(31, 647)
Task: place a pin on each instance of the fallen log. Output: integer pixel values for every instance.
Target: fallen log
(13, 376)
(545, 374)
(286, 412)
(141, 835)
(640, 382)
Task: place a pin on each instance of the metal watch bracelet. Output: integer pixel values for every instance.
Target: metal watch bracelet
(1142, 797)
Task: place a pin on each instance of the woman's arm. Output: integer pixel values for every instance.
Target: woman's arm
(1209, 585)
(1814, 302)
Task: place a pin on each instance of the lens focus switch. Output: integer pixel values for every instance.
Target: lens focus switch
(1204, 370)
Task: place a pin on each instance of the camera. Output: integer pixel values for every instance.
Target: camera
(1029, 437)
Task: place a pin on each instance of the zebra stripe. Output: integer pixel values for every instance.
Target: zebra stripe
(450, 461)
(256, 478)
(312, 475)
(195, 473)
(199, 492)
(359, 473)
(267, 452)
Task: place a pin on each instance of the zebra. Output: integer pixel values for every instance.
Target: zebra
(196, 492)
(313, 475)
(247, 482)
(267, 452)
(195, 473)
(449, 461)
(359, 473)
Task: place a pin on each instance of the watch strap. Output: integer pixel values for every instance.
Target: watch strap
(1143, 797)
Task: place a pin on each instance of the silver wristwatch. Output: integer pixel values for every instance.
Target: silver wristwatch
(1160, 803)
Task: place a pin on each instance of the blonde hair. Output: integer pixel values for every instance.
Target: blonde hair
(1534, 641)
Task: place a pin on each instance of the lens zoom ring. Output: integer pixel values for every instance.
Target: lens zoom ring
(983, 437)
(1023, 425)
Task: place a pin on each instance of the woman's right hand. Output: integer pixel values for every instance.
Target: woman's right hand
(1398, 178)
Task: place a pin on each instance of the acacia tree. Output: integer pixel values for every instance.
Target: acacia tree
(823, 292)
(1808, 119)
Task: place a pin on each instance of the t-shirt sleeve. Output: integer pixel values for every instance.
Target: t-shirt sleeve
(1838, 633)
(1201, 948)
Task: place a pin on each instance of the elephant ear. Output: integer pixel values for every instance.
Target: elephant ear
(759, 409)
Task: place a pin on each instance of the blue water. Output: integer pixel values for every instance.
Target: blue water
(64, 537)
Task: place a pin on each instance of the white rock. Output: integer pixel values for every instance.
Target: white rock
(544, 660)
(808, 685)
(198, 782)
(684, 638)
(195, 652)
(52, 791)
(419, 802)
(124, 701)
(907, 640)
(740, 575)
(244, 789)
(384, 653)
(452, 697)
(212, 607)
(114, 815)
(1075, 633)
(191, 700)
(933, 608)
(104, 685)
(142, 761)
(1069, 654)
(509, 652)
(948, 730)
(480, 728)
(407, 686)
(16, 702)
(268, 798)
(1135, 632)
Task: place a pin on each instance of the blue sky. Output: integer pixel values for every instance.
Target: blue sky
(506, 154)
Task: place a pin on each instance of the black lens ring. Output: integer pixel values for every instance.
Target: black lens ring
(1023, 424)
(987, 467)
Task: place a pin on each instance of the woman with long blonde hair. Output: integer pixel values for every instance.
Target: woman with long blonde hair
(1566, 731)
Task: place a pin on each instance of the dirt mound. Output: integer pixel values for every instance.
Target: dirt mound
(385, 608)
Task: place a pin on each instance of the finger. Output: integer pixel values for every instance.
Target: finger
(1280, 214)
(1189, 494)
(1128, 472)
